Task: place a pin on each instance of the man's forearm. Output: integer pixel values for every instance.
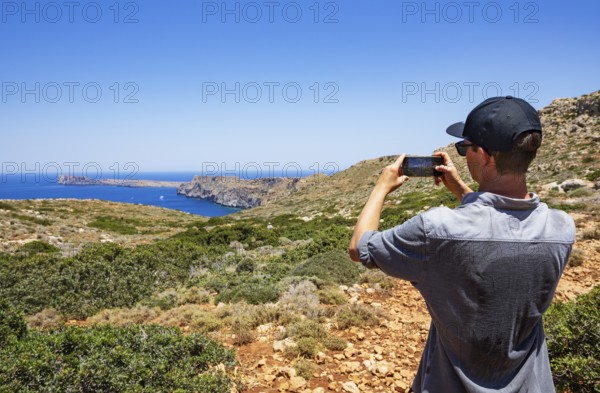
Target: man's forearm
(368, 219)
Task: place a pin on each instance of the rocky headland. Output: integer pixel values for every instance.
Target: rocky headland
(242, 193)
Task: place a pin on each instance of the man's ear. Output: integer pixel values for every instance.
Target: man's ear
(486, 159)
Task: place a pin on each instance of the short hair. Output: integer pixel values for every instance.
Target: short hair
(518, 159)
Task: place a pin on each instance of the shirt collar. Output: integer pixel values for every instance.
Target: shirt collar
(502, 202)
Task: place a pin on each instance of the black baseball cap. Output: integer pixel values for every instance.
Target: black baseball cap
(496, 122)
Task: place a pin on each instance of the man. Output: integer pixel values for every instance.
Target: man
(488, 269)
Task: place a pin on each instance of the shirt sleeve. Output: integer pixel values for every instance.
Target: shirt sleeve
(399, 252)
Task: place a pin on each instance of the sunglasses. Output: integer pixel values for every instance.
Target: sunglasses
(462, 147)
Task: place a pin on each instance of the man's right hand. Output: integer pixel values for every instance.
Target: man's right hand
(450, 177)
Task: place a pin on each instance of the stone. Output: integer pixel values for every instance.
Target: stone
(369, 364)
(572, 184)
(321, 357)
(350, 387)
(297, 383)
(400, 386)
(284, 386)
(269, 378)
(282, 345)
(287, 372)
(332, 386)
(350, 366)
(349, 352)
(384, 369)
(264, 328)
(318, 390)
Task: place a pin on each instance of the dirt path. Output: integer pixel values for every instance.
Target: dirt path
(382, 359)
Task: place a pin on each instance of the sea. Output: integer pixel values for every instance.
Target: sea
(36, 186)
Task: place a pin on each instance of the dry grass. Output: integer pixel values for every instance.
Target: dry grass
(125, 316)
(302, 299)
(46, 319)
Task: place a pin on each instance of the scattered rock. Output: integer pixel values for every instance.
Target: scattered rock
(350, 387)
(572, 184)
(349, 367)
(264, 328)
(288, 372)
(269, 378)
(297, 383)
(282, 345)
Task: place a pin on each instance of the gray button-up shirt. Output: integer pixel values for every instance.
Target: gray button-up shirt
(487, 271)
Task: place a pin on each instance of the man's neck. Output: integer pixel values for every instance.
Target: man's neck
(508, 186)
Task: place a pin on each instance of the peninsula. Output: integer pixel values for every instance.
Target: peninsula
(87, 181)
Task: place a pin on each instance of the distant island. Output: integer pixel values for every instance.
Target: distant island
(87, 181)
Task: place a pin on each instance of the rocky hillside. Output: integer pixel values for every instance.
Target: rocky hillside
(569, 157)
(237, 192)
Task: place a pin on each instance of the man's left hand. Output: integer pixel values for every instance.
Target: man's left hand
(391, 176)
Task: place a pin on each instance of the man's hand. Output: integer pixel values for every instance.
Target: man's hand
(450, 177)
(391, 176)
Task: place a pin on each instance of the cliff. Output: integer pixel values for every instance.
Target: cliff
(237, 192)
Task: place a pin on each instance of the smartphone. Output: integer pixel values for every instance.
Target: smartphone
(421, 166)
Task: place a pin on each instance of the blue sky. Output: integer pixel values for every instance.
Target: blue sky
(317, 82)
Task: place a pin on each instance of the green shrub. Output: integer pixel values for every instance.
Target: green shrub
(332, 238)
(576, 258)
(588, 159)
(307, 347)
(304, 368)
(306, 328)
(247, 265)
(377, 278)
(332, 266)
(6, 206)
(331, 296)
(593, 234)
(581, 192)
(573, 339)
(100, 276)
(301, 298)
(335, 343)
(108, 359)
(568, 207)
(243, 333)
(37, 247)
(113, 224)
(253, 291)
(356, 315)
(35, 220)
(593, 176)
(12, 324)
